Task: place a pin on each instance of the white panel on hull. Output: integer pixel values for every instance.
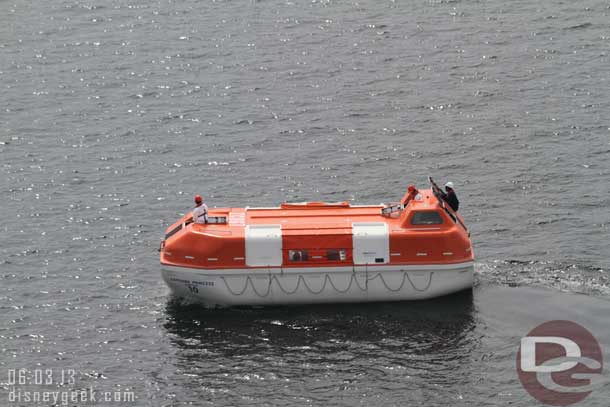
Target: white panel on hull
(263, 245)
(371, 242)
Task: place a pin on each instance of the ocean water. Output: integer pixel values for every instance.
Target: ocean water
(114, 114)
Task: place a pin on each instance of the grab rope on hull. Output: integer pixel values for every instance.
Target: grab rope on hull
(327, 279)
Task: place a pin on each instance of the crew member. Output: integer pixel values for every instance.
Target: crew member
(411, 193)
(450, 197)
(200, 212)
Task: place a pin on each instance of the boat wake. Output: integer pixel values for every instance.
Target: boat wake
(574, 278)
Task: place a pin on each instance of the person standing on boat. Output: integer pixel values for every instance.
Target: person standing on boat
(411, 194)
(450, 196)
(200, 212)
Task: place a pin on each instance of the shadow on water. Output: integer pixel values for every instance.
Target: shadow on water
(430, 326)
(321, 351)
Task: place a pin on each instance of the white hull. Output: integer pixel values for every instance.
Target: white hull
(277, 286)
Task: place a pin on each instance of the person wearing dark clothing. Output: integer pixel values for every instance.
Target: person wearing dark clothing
(450, 196)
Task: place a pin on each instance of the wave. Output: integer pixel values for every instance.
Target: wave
(571, 277)
(579, 26)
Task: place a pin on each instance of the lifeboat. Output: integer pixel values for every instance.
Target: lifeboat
(320, 252)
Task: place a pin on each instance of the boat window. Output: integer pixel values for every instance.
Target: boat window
(336, 254)
(298, 255)
(426, 218)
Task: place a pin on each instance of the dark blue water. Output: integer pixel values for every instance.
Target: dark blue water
(113, 114)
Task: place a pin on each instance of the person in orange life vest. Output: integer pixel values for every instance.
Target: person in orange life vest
(200, 212)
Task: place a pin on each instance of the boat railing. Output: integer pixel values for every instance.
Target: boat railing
(211, 220)
(314, 205)
(439, 196)
(391, 208)
(173, 231)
